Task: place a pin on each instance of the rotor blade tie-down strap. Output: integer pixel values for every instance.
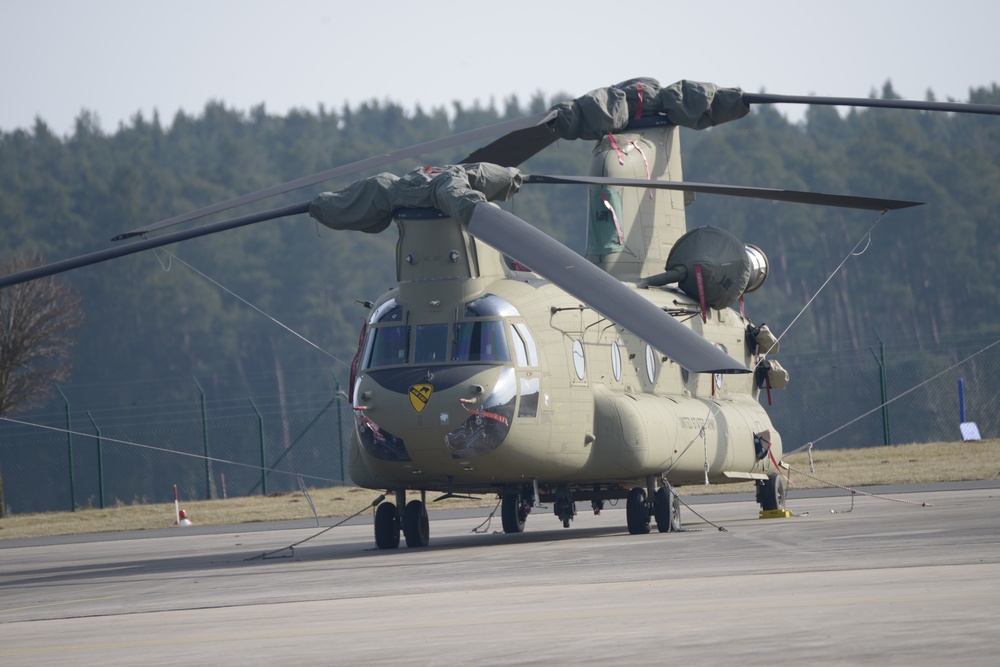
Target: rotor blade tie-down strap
(767, 383)
(700, 280)
(649, 175)
(614, 216)
(638, 108)
(618, 151)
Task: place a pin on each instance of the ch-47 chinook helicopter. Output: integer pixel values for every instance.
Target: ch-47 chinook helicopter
(555, 378)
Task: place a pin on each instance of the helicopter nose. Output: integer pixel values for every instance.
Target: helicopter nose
(454, 412)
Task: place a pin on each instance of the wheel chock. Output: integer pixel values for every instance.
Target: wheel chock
(775, 514)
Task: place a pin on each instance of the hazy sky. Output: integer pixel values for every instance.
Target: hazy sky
(118, 57)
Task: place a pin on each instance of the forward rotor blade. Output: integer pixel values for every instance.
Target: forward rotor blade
(510, 127)
(960, 107)
(795, 196)
(598, 290)
(146, 244)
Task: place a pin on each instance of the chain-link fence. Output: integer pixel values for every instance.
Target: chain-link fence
(835, 400)
(97, 455)
(102, 450)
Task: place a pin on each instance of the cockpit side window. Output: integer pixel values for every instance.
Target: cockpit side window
(390, 346)
(480, 341)
(524, 345)
(520, 350)
(388, 343)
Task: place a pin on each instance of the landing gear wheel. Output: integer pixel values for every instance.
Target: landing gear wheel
(386, 526)
(667, 510)
(514, 512)
(637, 511)
(416, 525)
(771, 492)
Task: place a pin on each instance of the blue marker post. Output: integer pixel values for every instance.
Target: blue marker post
(961, 401)
(969, 429)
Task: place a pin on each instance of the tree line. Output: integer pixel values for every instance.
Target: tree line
(925, 275)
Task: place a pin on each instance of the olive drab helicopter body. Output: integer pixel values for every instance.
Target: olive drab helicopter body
(504, 363)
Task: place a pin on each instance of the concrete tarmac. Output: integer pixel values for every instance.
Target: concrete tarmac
(893, 583)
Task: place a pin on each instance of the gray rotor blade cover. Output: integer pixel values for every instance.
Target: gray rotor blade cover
(598, 290)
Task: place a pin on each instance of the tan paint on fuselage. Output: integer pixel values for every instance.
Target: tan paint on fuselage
(599, 429)
(639, 428)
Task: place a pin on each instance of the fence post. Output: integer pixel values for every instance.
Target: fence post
(100, 460)
(263, 459)
(340, 438)
(204, 439)
(880, 360)
(69, 448)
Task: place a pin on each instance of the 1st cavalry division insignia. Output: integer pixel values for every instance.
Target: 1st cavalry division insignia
(419, 395)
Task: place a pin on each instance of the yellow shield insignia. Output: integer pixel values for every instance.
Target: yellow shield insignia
(419, 395)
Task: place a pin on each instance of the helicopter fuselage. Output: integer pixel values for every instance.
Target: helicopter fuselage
(474, 377)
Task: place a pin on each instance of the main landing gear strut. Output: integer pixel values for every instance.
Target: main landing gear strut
(657, 502)
(665, 508)
(410, 517)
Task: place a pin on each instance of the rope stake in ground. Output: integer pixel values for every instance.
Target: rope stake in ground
(691, 509)
(291, 547)
(485, 525)
(853, 491)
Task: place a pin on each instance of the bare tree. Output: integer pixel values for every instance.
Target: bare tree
(35, 320)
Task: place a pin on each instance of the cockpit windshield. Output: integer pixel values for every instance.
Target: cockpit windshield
(479, 335)
(431, 344)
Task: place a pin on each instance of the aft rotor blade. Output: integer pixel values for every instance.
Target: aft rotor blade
(515, 147)
(960, 107)
(598, 290)
(774, 194)
(511, 126)
(146, 244)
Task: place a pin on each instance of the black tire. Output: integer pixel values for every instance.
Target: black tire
(637, 511)
(416, 525)
(386, 526)
(666, 509)
(513, 512)
(772, 493)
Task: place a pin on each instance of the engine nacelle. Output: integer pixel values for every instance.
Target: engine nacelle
(716, 262)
